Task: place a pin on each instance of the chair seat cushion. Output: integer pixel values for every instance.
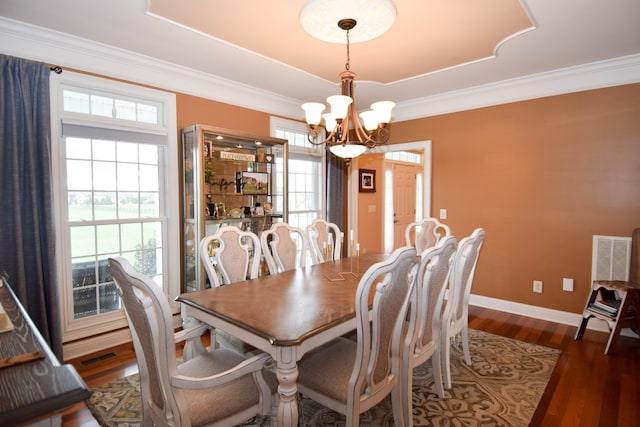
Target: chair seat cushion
(328, 369)
(231, 398)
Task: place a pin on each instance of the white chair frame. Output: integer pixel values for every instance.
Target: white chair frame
(323, 237)
(426, 233)
(280, 250)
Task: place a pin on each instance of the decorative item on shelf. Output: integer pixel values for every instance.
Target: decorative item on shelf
(268, 158)
(268, 209)
(238, 182)
(206, 150)
(220, 210)
(255, 183)
(211, 209)
(247, 210)
(342, 122)
(235, 213)
(258, 210)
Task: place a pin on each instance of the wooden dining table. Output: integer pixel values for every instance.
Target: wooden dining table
(285, 315)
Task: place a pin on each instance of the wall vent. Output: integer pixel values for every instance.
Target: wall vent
(611, 258)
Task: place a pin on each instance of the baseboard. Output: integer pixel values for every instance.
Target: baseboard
(85, 346)
(88, 345)
(542, 313)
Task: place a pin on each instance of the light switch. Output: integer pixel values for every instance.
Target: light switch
(567, 285)
(443, 214)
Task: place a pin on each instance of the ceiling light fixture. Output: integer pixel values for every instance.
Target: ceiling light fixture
(342, 122)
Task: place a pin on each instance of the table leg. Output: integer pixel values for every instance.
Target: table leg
(287, 374)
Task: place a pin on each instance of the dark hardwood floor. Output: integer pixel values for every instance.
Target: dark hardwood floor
(586, 388)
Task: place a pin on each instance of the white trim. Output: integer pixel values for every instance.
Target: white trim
(596, 75)
(548, 314)
(74, 329)
(41, 44)
(83, 347)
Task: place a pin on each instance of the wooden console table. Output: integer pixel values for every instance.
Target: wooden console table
(34, 386)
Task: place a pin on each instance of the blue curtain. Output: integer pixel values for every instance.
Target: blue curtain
(27, 238)
(336, 191)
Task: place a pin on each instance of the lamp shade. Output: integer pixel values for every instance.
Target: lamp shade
(383, 110)
(370, 119)
(313, 112)
(329, 121)
(348, 150)
(339, 105)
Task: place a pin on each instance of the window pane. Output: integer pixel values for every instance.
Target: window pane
(78, 148)
(83, 241)
(131, 237)
(104, 150)
(104, 205)
(79, 206)
(79, 175)
(125, 110)
(128, 176)
(108, 239)
(76, 102)
(147, 113)
(128, 152)
(128, 205)
(104, 176)
(101, 106)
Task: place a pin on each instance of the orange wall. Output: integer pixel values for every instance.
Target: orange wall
(542, 177)
(370, 223)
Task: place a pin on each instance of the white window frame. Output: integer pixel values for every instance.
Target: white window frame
(319, 152)
(74, 329)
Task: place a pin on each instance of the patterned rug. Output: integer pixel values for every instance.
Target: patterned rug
(502, 387)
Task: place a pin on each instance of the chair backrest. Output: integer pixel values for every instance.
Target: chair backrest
(462, 273)
(425, 314)
(425, 233)
(379, 340)
(284, 247)
(324, 239)
(150, 321)
(230, 255)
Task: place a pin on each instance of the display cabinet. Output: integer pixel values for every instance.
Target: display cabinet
(230, 178)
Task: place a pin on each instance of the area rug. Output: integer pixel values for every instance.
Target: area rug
(502, 387)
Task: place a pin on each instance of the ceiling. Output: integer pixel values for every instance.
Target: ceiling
(434, 46)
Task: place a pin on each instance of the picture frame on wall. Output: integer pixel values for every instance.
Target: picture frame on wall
(367, 180)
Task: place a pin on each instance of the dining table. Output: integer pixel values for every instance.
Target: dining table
(285, 315)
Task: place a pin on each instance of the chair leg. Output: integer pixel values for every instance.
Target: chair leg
(405, 393)
(436, 366)
(399, 406)
(615, 331)
(465, 344)
(446, 367)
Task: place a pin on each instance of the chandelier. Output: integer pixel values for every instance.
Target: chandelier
(347, 136)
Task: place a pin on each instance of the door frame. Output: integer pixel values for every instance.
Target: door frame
(352, 184)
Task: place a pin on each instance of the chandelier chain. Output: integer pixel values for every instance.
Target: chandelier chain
(346, 66)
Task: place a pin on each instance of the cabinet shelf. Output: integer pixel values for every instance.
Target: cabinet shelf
(216, 163)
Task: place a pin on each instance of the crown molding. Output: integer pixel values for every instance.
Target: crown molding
(53, 47)
(40, 44)
(595, 75)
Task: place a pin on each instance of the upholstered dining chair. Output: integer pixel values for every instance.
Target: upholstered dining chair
(323, 237)
(351, 376)
(284, 247)
(230, 255)
(425, 233)
(455, 320)
(217, 387)
(422, 341)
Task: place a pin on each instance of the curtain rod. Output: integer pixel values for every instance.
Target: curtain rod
(56, 69)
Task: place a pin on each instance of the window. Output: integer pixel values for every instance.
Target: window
(114, 187)
(306, 173)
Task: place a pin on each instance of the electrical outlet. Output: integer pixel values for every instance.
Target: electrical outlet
(537, 286)
(567, 284)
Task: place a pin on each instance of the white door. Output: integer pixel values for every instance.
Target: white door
(404, 200)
